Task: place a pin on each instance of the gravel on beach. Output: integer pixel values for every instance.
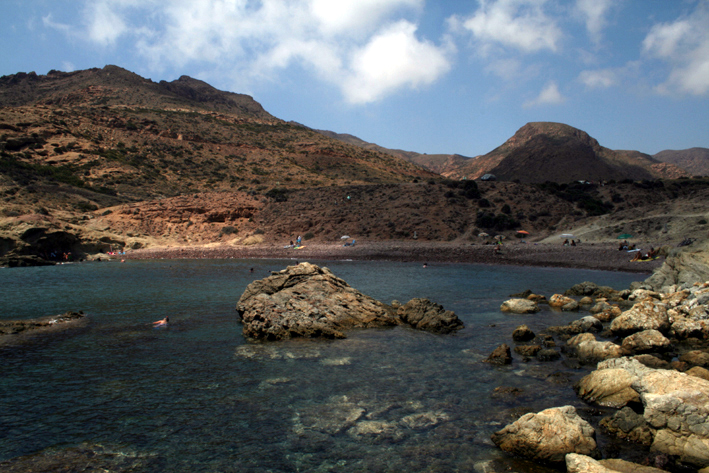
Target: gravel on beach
(601, 256)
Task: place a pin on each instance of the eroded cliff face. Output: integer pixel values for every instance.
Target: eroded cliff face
(684, 265)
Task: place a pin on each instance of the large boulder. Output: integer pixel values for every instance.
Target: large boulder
(519, 306)
(608, 388)
(646, 341)
(648, 314)
(685, 265)
(677, 405)
(423, 314)
(523, 334)
(558, 301)
(589, 350)
(307, 301)
(548, 436)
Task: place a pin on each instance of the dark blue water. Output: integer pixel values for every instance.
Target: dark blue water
(199, 397)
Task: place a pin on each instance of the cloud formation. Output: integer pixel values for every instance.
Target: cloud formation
(550, 95)
(518, 24)
(684, 45)
(364, 47)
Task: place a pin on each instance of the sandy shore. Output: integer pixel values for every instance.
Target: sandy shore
(602, 256)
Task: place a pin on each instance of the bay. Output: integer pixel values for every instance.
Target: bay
(199, 397)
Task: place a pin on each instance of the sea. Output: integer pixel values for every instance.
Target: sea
(197, 396)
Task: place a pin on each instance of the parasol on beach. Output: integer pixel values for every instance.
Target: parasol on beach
(523, 232)
(567, 235)
(625, 236)
(345, 237)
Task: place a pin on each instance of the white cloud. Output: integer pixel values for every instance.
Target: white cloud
(684, 45)
(594, 13)
(392, 59)
(550, 95)
(517, 24)
(599, 79)
(50, 23)
(104, 23)
(361, 46)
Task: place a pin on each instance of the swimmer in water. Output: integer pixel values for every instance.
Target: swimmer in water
(161, 323)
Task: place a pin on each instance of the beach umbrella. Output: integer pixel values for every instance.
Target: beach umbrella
(567, 235)
(523, 232)
(624, 236)
(483, 235)
(344, 237)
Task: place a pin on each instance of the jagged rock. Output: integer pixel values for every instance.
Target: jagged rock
(586, 300)
(522, 334)
(628, 425)
(608, 314)
(307, 301)
(608, 388)
(423, 314)
(648, 314)
(684, 327)
(41, 324)
(519, 306)
(548, 436)
(642, 294)
(646, 341)
(558, 301)
(599, 306)
(677, 405)
(500, 355)
(686, 265)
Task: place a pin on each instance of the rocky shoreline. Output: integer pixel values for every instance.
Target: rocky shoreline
(600, 256)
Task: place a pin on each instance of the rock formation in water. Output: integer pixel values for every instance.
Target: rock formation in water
(309, 301)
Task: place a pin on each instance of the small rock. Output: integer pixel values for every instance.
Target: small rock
(522, 334)
(501, 355)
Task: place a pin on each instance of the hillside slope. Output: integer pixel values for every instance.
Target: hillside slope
(693, 160)
(546, 151)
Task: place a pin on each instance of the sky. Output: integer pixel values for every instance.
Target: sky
(446, 76)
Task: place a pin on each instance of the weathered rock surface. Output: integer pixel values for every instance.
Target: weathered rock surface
(589, 350)
(696, 358)
(558, 301)
(423, 314)
(309, 301)
(648, 314)
(522, 334)
(501, 355)
(576, 463)
(519, 306)
(646, 341)
(608, 388)
(686, 265)
(677, 405)
(628, 425)
(548, 436)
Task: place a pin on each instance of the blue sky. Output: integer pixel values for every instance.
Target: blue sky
(449, 76)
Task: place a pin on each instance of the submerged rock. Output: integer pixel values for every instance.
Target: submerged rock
(501, 355)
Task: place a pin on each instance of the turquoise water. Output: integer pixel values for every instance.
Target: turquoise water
(199, 397)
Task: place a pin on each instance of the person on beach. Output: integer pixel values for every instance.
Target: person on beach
(162, 322)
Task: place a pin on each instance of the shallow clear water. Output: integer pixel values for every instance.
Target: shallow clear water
(199, 397)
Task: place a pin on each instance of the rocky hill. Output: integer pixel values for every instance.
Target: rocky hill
(104, 159)
(694, 160)
(546, 151)
(438, 163)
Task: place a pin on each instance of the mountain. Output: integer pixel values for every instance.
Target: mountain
(438, 163)
(547, 151)
(109, 132)
(693, 160)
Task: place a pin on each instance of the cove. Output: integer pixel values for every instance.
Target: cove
(199, 397)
